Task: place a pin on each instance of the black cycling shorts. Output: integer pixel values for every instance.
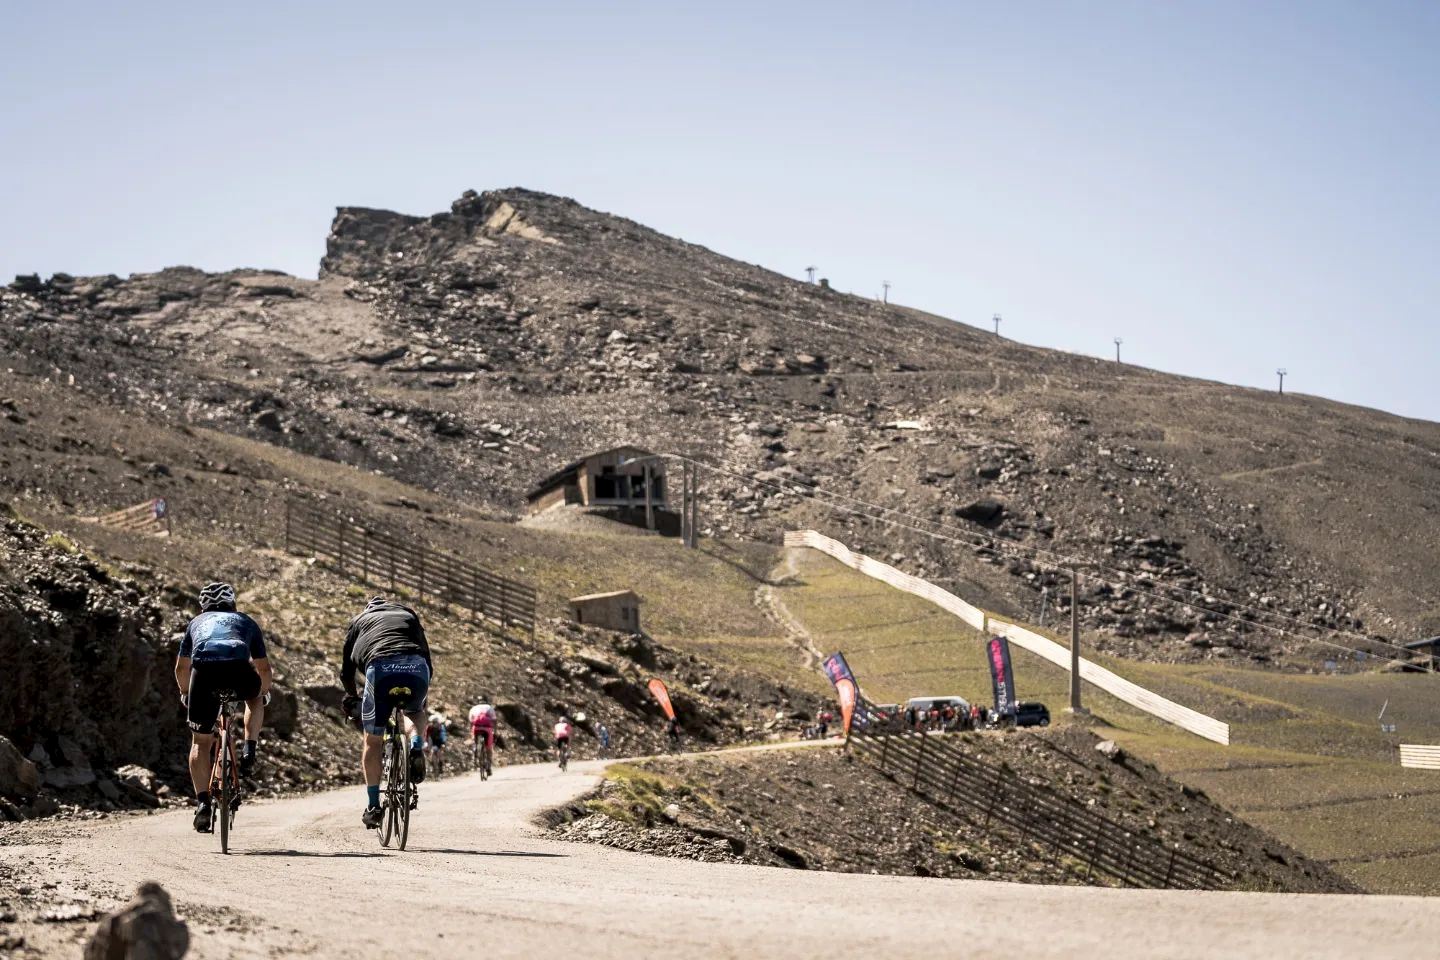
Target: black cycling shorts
(208, 678)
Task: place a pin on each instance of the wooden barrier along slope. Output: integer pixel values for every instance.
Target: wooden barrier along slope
(938, 768)
(149, 516)
(373, 554)
(1091, 672)
(1420, 756)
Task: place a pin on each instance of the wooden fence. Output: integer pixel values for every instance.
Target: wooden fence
(1420, 756)
(936, 767)
(150, 516)
(375, 555)
(1107, 680)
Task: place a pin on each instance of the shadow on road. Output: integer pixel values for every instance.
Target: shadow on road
(487, 853)
(305, 853)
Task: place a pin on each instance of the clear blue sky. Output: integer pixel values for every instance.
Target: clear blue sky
(1230, 187)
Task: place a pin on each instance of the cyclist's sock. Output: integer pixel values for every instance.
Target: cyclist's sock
(373, 795)
(249, 748)
(202, 798)
(414, 743)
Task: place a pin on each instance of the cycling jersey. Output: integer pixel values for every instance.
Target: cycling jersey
(219, 635)
(384, 632)
(482, 715)
(562, 731)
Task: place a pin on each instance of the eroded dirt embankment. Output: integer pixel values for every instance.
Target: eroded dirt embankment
(826, 810)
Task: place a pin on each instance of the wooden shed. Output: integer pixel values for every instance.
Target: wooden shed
(619, 610)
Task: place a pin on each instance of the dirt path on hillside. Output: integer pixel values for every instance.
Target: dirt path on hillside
(479, 877)
(767, 598)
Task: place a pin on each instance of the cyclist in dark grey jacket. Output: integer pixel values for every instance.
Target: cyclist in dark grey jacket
(386, 643)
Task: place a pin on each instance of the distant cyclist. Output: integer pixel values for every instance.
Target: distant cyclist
(562, 739)
(672, 733)
(602, 733)
(387, 643)
(482, 727)
(220, 650)
(435, 737)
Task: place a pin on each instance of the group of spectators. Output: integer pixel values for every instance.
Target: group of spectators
(946, 718)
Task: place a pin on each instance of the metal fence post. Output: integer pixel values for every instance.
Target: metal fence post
(919, 759)
(287, 526)
(885, 754)
(1170, 870)
(994, 798)
(1094, 853)
(340, 550)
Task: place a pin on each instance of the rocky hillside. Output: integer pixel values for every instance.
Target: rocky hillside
(473, 351)
(92, 720)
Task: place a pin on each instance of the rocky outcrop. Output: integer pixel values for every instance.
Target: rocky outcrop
(472, 337)
(19, 778)
(146, 928)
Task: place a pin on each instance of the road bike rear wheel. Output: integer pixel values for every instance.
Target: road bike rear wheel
(227, 768)
(387, 815)
(407, 789)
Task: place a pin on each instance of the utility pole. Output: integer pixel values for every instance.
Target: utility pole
(885, 297)
(694, 506)
(1075, 706)
(996, 318)
(649, 498)
(810, 274)
(1282, 371)
(685, 503)
(1118, 341)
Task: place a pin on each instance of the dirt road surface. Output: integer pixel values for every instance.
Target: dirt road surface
(480, 878)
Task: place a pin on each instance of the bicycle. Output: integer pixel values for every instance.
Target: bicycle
(437, 759)
(564, 750)
(225, 790)
(400, 794)
(481, 757)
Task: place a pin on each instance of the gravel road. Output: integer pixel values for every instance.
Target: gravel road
(481, 879)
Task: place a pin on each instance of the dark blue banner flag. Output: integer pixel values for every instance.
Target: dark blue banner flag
(1002, 678)
(837, 669)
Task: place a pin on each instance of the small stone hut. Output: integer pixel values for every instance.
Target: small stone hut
(619, 610)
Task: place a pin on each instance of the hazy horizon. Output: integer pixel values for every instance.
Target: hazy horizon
(1229, 187)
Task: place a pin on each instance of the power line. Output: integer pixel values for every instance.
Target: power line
(1066, 561)
(1056, 561)
(1066, 566)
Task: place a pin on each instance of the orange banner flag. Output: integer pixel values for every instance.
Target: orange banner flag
(845, 687)
(662, 696)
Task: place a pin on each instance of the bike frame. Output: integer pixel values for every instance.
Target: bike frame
(399, 792)
(224, 772)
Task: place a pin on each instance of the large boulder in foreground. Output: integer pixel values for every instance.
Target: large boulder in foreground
(144, 929)
(19, 778)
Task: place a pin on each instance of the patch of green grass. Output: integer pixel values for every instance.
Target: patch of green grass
(61, 542)
(635, 795)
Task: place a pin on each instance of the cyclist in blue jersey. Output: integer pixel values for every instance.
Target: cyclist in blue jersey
(386, 643)
(221, 649)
